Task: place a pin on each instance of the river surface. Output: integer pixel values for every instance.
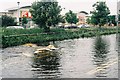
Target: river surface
(95, 57)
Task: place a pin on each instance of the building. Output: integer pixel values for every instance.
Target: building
(19, 13)
(24, 12)
(6, 13)
(82, 16)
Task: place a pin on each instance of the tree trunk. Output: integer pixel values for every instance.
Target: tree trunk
(100, 28)
(46, 29)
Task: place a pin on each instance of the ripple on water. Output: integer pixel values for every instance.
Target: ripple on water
(78, 58)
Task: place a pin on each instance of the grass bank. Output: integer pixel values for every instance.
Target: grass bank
(14, 37)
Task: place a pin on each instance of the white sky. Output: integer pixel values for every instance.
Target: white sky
(74, 5)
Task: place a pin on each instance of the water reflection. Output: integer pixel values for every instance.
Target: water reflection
(46, 65)
(118, 49)
(100, 56)
(72, 60)
(118, 43)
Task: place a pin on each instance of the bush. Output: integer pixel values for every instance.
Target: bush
(8, 21)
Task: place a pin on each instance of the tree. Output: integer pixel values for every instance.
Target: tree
(100, 14)
(62, 19)
(111, 19)
(88, 20)
(24, 21)
(71, 17)
(46, 13)
(8, 21)
(119, 17)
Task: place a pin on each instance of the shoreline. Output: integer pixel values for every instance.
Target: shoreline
(56, 35)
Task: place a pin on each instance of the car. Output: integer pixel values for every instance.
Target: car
(14, 27)
(87, 25)
(83, 26)
(60, 25)
(70, 26)
(67, 25)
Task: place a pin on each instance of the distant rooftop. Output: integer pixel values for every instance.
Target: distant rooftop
(84, 12)
(16, 8)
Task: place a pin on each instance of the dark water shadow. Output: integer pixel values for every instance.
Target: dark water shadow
(100, 56)
(46, 65)
(118, 50)
(118, 43)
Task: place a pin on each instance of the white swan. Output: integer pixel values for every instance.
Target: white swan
(48, 48)
(30, 45)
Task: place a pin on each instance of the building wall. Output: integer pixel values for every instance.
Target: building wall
(6, 13)
(82, 18)
(23, 11)
(15, 11)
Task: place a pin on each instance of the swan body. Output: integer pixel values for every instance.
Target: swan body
(48, 48)
(30, 45)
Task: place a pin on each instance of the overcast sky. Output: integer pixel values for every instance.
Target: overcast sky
(74, 5)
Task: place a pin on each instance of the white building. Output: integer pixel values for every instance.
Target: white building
(6, 13)
(19, 13)
(82, 16)
(24, 11)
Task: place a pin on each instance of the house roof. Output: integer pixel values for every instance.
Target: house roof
(16, 8)
(84, 12)
(13, 9)
(25, 7)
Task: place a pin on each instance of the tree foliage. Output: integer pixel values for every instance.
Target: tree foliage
(24, 21)
(71, 17)
(111, 19)
(88, 20)
(46, 13)
(8, 21)
(62, 19)
(119, 17)
(100, 14)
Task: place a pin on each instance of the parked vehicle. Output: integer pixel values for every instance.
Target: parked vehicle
(61, 25)
(83, 26)
(66, 26)
(71, 26)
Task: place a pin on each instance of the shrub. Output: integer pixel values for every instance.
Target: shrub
(8, 21)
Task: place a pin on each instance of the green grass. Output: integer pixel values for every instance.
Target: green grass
(8, 32)
(14, 37)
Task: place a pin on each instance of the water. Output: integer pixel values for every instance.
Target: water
(78, 58)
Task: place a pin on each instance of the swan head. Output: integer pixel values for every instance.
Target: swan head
(51, 47)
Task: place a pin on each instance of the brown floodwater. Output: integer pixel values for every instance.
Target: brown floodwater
(95, 57)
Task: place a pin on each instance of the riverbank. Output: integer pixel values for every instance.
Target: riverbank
(14, 37)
